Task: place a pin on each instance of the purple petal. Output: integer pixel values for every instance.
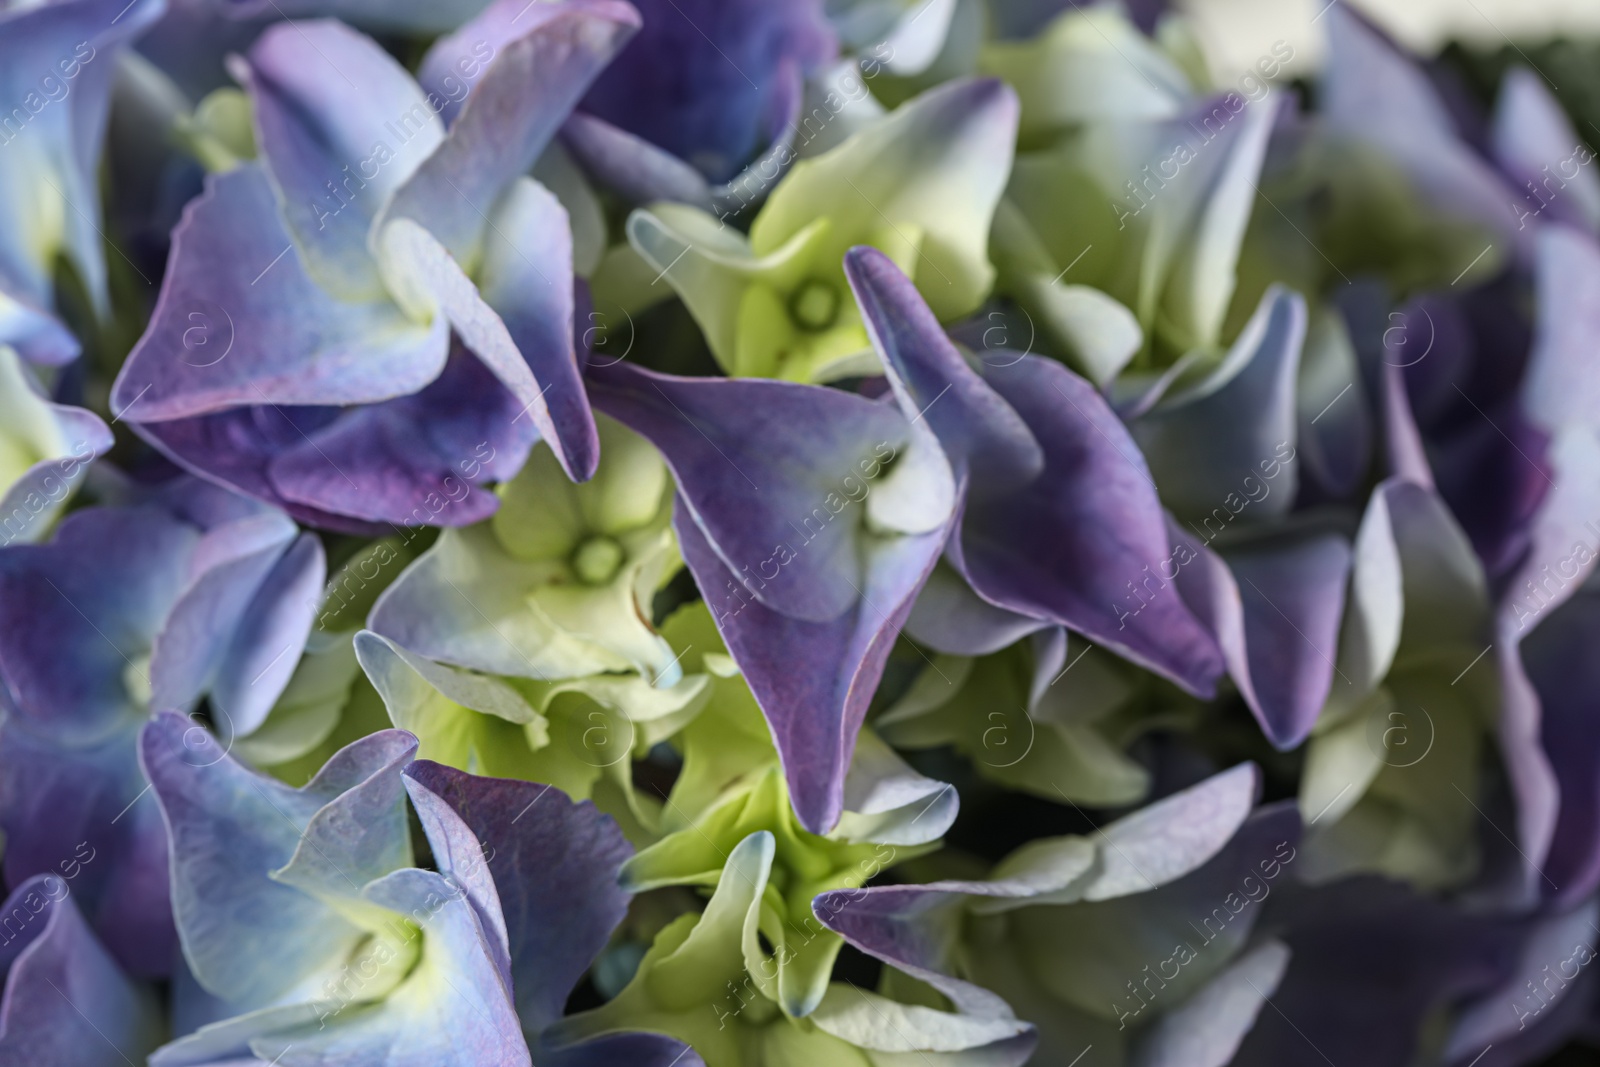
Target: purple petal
(531, 228)
(546, 56)
(240, 322)
(541, 346)
(1534, 142)
(813, 680)
(1083, 544)
(226, 568)
(81, 813)
(1562, 388)
(1407, 459)
(416, 460)
(978, 431)
(1560, 663)
(703, 77)
(554, 864)
(340, 126)
(1201, 838)
(1198, 442)
(1292, 592)
(1529, 767)
(66, 1002)
(1369, 961)
(1519, 1024)
(269, 638)
(632, 167)
(755, 462)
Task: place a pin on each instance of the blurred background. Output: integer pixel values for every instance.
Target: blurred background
(1472, 43)
(1238, 31)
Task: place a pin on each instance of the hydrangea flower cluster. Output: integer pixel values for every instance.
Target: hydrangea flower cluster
(731, 533)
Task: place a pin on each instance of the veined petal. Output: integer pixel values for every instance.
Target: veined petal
(250, 938)
(980, 434)
(803, 453)
(1081, 545)
(554, 866)
(66, 1001)
(250, 326)
(341, 126)
(813, 679)
(547, 55)
(97, 594)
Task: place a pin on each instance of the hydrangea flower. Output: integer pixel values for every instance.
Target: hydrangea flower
(377, 223)
(196, 595)
(709, 981)
(1391, 770)
(1123, 225)
(921, 184)
(1041, 716)
(1039, 467)
(306, 928)
(1012, 404)
(732, 786)
(1079, 933)
(558, 584)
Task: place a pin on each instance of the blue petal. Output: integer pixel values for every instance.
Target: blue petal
(554, 865)
(1199, 441)
(250, 326)
(247, 937)
(66, 1003)
(50, 154)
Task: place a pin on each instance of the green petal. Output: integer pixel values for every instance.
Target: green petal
(1087, 66)
(938, 163)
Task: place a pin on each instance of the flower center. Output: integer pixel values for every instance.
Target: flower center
(136, 680)
(815, 305)
(597, 560)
